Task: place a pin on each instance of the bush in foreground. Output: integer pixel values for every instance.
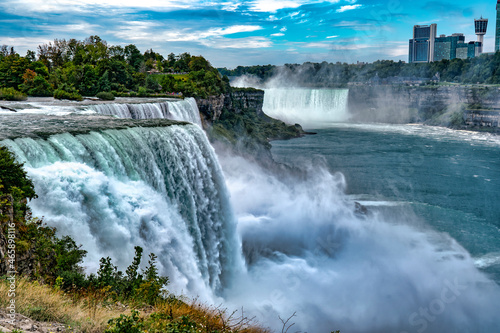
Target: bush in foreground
(11, 94)
(63, 94)
(105, 96)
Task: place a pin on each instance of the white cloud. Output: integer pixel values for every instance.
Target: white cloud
(230, 6)
(213, 37)
(348, 7)
(283, 29)
(85, 27)
(22, 44)
(237, 43)
(328, 37)
(63, 6)
(278, 34)
(272, 6)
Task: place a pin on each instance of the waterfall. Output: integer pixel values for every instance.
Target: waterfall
(160, 188)
(312, 108)
(183, 110)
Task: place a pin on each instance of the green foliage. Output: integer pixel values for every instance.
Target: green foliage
(40, 87)
(126, 324)
(483, 69)
(105, 96)
(41, 254)
(67, 92)
(143, 92)
(88, 84)
(151, 289)
(10, 94)
(155, 323)
(183, 324)
(457, 120)
(152, 85)
(69, 69)
(12, 175)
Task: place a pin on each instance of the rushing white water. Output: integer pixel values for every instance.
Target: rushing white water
(309, 254)
(184, 110)
(159, 188)
(311, 108)
(306, 249)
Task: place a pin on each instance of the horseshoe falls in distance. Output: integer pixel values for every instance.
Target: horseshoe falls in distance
(159, 188)
(311, 108)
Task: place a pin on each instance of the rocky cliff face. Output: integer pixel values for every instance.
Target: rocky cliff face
(237, 121)
(243, 100)
(237, 101)
(402, 104)
(211, 108)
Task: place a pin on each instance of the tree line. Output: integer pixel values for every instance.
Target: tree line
(484, 69)
(75, 68)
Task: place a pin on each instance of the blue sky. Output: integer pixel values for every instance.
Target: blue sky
(232, 32)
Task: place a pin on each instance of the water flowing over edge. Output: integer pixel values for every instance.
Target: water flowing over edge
(306, 250)
(160, 188)
(311, 108)
(185, 110)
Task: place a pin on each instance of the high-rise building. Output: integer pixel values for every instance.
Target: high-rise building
(421, 47)
(446, 47)
(497, 32)
(481, 26)
(426, 47)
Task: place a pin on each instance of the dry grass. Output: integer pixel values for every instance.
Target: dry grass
(211, 318)
(87, 313)
(43, 303)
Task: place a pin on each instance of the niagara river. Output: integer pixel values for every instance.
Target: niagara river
(376, 228)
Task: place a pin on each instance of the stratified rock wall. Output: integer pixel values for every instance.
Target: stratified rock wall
(237, 101)
(404, 104)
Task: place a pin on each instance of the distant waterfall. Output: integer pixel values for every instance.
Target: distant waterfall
(183, 110)
(311, 108)
(160, 188)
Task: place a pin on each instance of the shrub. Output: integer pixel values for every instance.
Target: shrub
(13, 175)
(126, 324)
(62, 94)
(143, 92)
(11, 94)
(105, 96)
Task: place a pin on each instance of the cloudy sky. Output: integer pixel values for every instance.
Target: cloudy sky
(256, 32)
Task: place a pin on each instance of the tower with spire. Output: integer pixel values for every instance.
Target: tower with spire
(480, 26)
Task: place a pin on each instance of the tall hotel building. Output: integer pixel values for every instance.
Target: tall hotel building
(422, 45)
(426, 47)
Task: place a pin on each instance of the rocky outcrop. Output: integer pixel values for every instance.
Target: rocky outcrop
(9, 323)
(245, 100)
(241, 125)
(404, 104)
(43, 126)
(238, 100)
(211, 108)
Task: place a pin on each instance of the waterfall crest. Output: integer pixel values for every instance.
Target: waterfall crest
(183, 110)
(312, 108)
(160, 188)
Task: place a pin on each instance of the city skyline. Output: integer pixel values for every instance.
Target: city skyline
(232, 33)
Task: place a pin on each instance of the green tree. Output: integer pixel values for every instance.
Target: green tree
(12, 175)
(133, 56)
(89, 82)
